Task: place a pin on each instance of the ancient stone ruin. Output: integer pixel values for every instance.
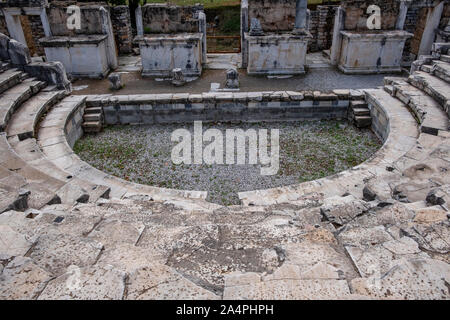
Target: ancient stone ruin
(378, 230)
(168, 41)
(274, 47)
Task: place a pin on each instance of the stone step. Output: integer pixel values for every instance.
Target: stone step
(90, 110)
(92, 126)
(442, 70)
(428, 111)
(36, 85)
(9, 79)
(92, 117)
(389, 89)
(4, 66)
(361, 111)
(12, 200)
(12, 99)
(445, 58)
(41, 187)
(71, 189)
(358, 104)
(438, 89)
(363, 121)
(427, 68)
(390, 80)
(23, 122)
(24, 76)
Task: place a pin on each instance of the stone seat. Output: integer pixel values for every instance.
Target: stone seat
(442, 70)
(33, 172)
(11, 199)
(4, 65)
(24, 120)
(445, 58)
(20, 132)
(42, 187)
(433, 86)
(29, 151)
(427, 110)
(9, 78)
(12, 98)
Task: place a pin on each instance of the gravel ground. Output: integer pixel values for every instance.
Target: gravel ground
(308, 150)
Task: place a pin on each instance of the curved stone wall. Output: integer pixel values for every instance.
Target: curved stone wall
(399, 134)
(130, 109)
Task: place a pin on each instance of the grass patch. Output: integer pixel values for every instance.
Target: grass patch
(309, 150)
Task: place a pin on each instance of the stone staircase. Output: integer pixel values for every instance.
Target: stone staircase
(359, 114)
(29, 179)
(426, 91)
(92, 120)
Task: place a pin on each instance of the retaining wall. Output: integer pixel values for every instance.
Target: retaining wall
(211, 107)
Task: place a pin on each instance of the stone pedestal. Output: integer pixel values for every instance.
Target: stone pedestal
(372, 52)
(162, 53)
(82, 56)
(276, 54)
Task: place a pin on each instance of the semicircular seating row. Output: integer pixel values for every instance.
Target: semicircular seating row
(33, 174)
(42, 167)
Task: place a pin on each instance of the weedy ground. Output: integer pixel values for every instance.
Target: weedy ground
(308, 150)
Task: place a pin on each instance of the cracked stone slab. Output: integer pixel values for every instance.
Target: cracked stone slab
(379, 259)
(439, 196)
(307, 255)
(432, 237)
(40, 196)
(112, 232)
(396, 214)
(71, 193)
(56, 252)
(342, 210)
(430, 215)
(425, 279)
(75, 223)
(36, 224)
(128, 257)
(158, 281)
(320, 270)
(161, 239)
(88, 283)
(289, 289)
(206, 253)
(50, 220)
(13, 243)
(12, 199)
(413, 191)
(22, 279)
(362, 236)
